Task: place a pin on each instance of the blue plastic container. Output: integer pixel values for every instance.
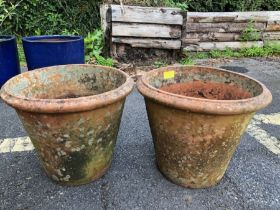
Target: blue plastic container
(44, 51)
(9, 62)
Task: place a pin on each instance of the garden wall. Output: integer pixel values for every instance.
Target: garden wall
(136, 31)
(207, 31)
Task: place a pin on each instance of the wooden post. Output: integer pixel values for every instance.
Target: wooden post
(106, 26)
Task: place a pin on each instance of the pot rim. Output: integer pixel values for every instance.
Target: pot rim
(207, 106)
(67, 38)
(68, 105)
(6, 38)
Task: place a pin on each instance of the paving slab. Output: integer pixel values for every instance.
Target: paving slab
(252, 180)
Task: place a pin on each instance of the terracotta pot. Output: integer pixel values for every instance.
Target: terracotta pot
(72, 115)
(197, 116)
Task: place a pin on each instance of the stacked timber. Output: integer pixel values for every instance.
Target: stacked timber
(172, 29)
(219, 30)
(146, 27)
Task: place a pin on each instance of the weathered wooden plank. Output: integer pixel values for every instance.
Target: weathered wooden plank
(210, 17)
(149, 43)
(221, 27)
(136, 14)
(104, 16)
(207, 46)
(146, 30)
(211, 36)
(271, 35)
(273, 26)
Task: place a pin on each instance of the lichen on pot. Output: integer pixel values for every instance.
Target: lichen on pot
(197, 117)
(72, 115)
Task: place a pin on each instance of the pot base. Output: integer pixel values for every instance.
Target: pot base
(79, 183)
(186, 183)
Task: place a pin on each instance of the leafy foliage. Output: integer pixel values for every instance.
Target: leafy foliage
(187, 61)
(29, 17)
(229, 5)
(94, 43)
(159, 64)
(210, 5)
(250, 33)
(7, 12)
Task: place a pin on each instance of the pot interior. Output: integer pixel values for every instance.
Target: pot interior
(205, 83)
(62, 82)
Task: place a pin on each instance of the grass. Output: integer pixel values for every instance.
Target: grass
(187, 61)
(21, 53)
(159, 64)
(270, 49)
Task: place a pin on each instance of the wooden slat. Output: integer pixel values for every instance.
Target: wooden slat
(149, 43)
(273, 26)
(209, 17)
(221, 27)
(104, 8)
(211, 36)
(135, 14)
(146, 30)
(207, 46)
(271, 35)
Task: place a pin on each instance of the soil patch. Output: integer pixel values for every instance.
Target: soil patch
(208, 90)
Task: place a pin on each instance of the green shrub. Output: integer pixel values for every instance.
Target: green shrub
(94, 43)
(250, 33)
(230, 5)
(29, 17)
(210, 5)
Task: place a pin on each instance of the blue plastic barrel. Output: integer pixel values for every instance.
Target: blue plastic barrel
(9, 62)
(52, 50)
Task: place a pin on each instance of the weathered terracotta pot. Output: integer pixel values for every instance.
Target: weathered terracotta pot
(197, 116)
(72, 115)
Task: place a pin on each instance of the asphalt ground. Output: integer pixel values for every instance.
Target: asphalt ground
(252, 180)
